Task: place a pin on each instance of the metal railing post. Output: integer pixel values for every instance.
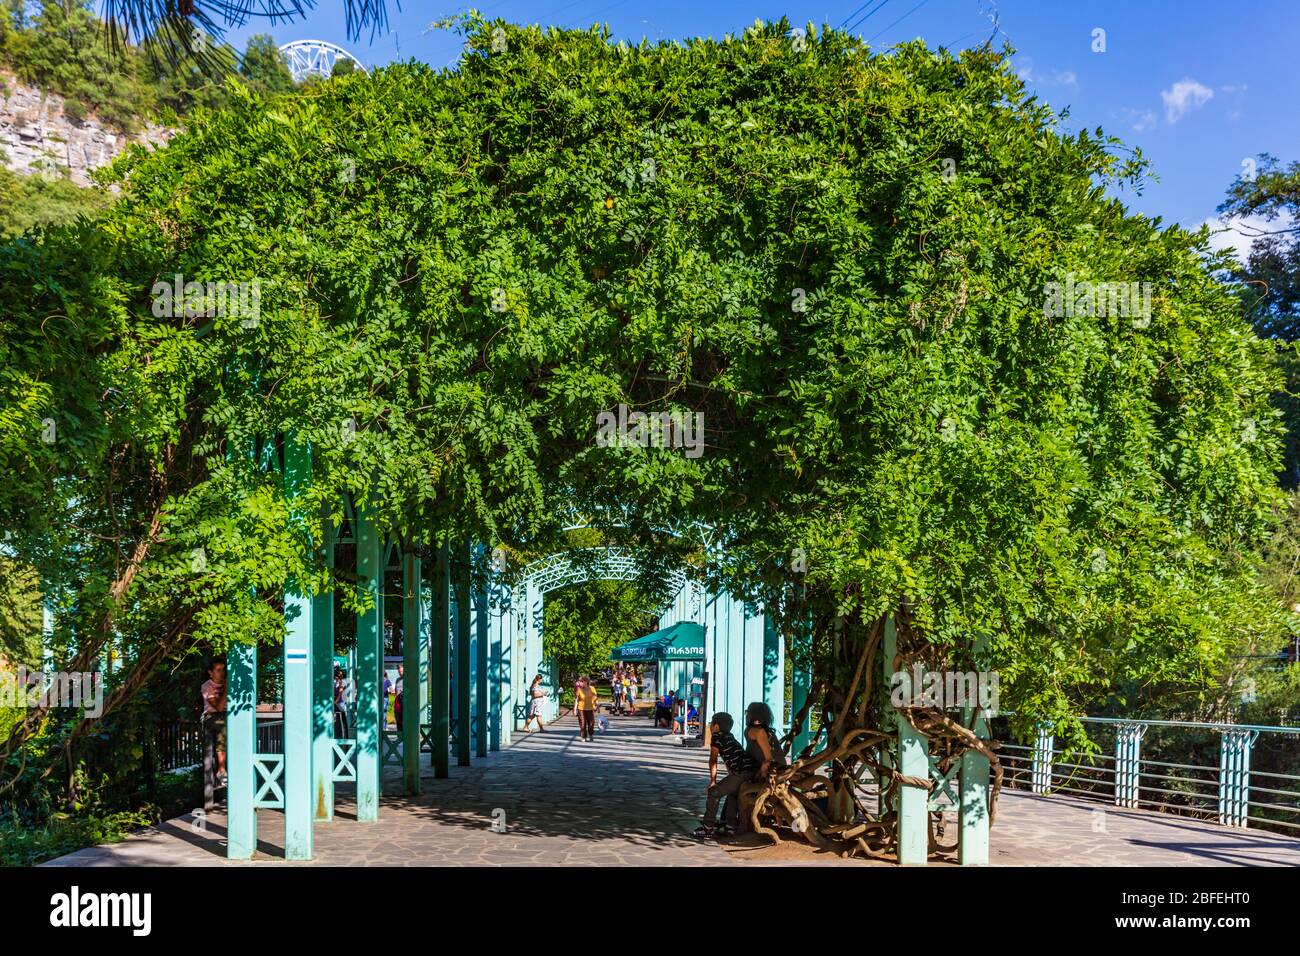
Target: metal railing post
(1044, 742)
(1128, 763)
(1234, 775)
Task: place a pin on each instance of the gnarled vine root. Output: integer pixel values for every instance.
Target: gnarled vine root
(788, 798)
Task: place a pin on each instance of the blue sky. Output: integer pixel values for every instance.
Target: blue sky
(1199, 86)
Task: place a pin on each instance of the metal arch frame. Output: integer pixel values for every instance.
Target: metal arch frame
(559, 570)
(601, 517)
(706, 534)
(305, 57)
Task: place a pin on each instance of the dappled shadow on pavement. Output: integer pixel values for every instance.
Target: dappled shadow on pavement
(633, 796)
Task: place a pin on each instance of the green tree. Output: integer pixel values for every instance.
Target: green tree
(1271, 279)
(263, 66)
(27, 202)
(584, 623)
(1271, 192)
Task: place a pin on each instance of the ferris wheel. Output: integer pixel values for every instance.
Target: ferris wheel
(306, 57)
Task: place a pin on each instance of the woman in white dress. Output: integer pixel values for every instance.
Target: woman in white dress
(536, 694)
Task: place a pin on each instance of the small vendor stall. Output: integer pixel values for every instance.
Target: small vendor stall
(677, 653)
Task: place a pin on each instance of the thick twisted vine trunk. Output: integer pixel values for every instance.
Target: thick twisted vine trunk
(815, 797)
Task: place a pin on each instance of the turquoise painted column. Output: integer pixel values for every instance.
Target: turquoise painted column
(298, 722)
(800, 688)
(911, 803)
(322, 678)
(509, 668)
(370, 662)
(463, 655)
(498, 680)
(481, 704)
(708, 619)
(440, 663)
(412, 712)
(530, 657)
(736, 665)
(973, 786)
(452, 610)
(426, 643)
(241, 749)
(774, 673)
(973, 835)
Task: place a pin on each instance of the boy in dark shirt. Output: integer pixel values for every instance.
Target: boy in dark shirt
(739, 768)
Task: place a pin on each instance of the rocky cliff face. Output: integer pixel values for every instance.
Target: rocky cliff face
(36, 133)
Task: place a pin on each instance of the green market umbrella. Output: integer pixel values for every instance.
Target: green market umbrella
(683, 641)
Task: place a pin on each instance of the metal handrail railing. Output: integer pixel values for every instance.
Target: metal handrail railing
(1134, 779)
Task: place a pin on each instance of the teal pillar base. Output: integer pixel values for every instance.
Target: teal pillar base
(911, 804)
(481, 674)
(299, 812)
(440, 664)
(412, 653)
(322, 677)
(973, 843)
(370, 663)
(241, 747)
(464, 691)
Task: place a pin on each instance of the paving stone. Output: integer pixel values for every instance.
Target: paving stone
(632, 797)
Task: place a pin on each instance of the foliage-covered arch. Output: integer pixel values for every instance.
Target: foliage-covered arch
(840, 259)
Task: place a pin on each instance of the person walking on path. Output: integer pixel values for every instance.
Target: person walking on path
(341, 723)
(616, 686)
(536, 694)
(398, 690)
(584, 705)
(214, 715)
(631, 692)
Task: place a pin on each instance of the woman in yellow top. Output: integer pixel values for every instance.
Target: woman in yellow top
(584, 705)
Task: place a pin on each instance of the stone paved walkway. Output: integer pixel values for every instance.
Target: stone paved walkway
(632, 797)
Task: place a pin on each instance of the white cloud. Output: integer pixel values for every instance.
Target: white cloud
(1183, 97)
(1139, 120)
(1054, 78)
(1240, 235)
(1238, 94)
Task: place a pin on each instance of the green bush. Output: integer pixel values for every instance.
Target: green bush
(21, 845)
(75, 110)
